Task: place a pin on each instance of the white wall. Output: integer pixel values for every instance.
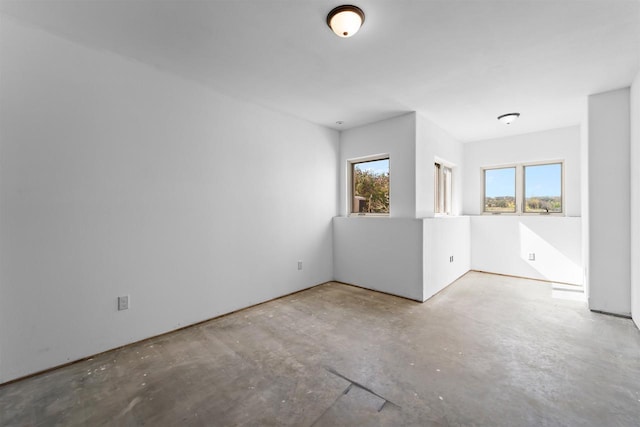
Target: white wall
(609, 205)
(401, 255)
(433, 143)
(383, 254)
(395, 137)
(116, 179)
(584, 193)
(635, 199)
(445, 237)
(501, 244)
(556, 144)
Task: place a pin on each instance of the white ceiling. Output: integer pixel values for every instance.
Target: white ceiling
(459, 63)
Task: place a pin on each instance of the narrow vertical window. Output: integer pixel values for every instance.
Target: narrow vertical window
(437, 203)
(442, 189)
(370, 186)
(543, 188)
(447, 175)
(500, 190)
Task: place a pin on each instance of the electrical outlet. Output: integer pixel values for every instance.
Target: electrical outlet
(123, 302)
(532, 257)
(451, 258)
(299, 265)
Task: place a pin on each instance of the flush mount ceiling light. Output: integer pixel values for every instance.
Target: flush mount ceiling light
(508, 118)
(345, 20)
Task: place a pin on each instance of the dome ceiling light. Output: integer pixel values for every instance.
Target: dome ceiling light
(345, 20)
(508, 118)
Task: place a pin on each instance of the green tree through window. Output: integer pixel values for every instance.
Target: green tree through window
(371, 186)
(543, 188)
(500, 190)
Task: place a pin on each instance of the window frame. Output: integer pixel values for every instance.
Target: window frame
(443, 189)
(524, 188)
(351, 164)
(484, 189)
(520, 187)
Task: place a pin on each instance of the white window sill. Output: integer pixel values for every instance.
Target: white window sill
(556, 214)
(368, 215)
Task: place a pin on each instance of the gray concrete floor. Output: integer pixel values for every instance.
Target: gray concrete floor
(487, 351)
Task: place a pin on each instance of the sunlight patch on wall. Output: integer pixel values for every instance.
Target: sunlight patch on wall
(547, 260)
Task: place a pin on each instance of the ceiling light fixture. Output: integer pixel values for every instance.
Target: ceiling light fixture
(345, 20)
(508, 118)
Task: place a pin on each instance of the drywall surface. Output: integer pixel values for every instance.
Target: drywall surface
(434, 144)
(635, 199)
(117, 179)
(609, 205)
(584, 194)
(446, 252)
(556, 144)
(382, 254)
(502, 244)
(398, 255)
(395, 137)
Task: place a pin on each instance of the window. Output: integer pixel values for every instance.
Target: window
(370, 186)
(534, 188)
(500, 190)
(442, 189)
(543, 188)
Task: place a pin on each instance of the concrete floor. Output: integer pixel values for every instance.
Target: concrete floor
(487, 351)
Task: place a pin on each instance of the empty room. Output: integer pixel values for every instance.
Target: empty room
(314, 213)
